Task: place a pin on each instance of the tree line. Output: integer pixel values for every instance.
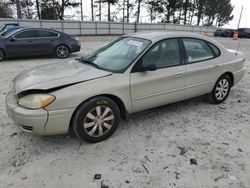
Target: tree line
(191, 12)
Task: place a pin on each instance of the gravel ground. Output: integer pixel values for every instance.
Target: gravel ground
(152, 150)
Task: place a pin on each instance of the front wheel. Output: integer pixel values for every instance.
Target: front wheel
(221, 90)
(62, 51)
(96, 119)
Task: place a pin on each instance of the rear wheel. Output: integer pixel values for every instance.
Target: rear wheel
(221, 90)
(62, 51)
(2, 55)
(96, 119)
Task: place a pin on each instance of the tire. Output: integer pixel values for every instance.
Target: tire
(2, 55)
(88, 123)
(62, 51)
(221, 90)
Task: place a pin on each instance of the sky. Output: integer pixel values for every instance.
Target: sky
(245, 22)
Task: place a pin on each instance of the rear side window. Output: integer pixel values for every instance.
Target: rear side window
(26, 34)
(43, 33)
(197, 50)
(215, 49)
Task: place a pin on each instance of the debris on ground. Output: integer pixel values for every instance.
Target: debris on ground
(240, 150)
(145, 168)
(177, 175)
(104, 184)
(97, 176)
(193, 161)
(183, 150)
(127, 181)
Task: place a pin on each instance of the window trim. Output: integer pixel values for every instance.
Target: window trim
(139, 61)
(207, 43)
(18, 32)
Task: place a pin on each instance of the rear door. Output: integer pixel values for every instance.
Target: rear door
(202, 66)
(46, 41)
(22, 43)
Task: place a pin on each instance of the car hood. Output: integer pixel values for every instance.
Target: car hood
(56, 75)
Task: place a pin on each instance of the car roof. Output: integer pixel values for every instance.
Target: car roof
(156, 35)
(47, 29)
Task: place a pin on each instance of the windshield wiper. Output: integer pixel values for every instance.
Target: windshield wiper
(88, 62)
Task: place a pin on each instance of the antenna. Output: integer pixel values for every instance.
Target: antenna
(238, 28)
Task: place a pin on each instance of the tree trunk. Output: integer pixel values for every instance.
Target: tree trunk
(185, 11)
(100, 10)
(18, 8)
(38, 10)
(92, 10)
(81, 11)
(168, 15)
(109, 12)
(138, 11)
(123, 11)
(128, 6)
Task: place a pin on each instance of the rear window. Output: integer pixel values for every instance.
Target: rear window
(215, 49)
(197, 50)
(43, 33)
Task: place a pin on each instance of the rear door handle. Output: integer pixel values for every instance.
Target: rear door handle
(217, 66)
(178, 75)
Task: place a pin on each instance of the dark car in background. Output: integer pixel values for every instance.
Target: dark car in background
(244, 32)
(7, 26)
(219, 33)
(37, 41)
(229, 32)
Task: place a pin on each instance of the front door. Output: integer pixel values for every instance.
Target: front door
(22, 43)
(165, 85)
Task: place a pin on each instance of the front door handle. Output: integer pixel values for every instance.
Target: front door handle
(178, 75)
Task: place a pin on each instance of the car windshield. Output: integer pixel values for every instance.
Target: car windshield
(2, 27)
(8, 31)
(119, 54)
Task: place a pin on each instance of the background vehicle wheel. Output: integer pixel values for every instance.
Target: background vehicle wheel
(221, 90)
(96, 119)
(62, 51)
(2, 55)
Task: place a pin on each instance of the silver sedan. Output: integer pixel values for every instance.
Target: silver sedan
(133, 73)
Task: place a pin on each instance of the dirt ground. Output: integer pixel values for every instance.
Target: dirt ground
(152, 150)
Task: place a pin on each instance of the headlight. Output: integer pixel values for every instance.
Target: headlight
(36, 101)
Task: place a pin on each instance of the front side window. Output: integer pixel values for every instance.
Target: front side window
(43, 33)
(26, 34)
(165, 53)
(119, 54)
(197, 50)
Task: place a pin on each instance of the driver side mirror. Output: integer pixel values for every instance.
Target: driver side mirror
(12, 38)
(148, 67)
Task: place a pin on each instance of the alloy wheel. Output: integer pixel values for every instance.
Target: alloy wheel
(98, 121)
(62, 51)
(222, 89)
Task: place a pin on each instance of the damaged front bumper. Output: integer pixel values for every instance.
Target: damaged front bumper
(40, 121)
